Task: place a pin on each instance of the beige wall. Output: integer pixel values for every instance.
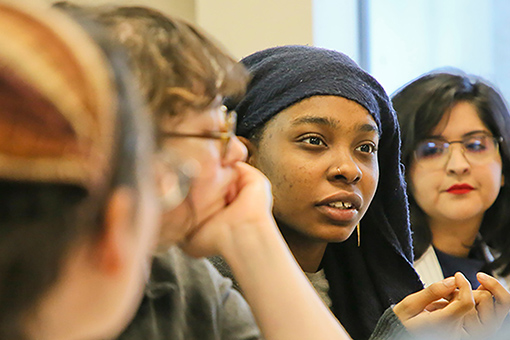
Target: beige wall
(246, 26)
(182, 8)
(242, 26)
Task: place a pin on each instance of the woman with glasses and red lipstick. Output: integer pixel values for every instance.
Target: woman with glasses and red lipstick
(456, 149)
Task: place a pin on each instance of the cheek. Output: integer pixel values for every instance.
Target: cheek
(289, 179)
(420, 185)
(208, 186)
(210, 171)
(493, 178)
(206, 152)
(371, 179)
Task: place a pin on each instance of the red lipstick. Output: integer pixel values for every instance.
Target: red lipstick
(460, 189)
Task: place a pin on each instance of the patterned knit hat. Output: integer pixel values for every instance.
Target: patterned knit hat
(57, 120)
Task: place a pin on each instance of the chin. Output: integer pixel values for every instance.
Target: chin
(465, 212)
(336, 236)
(337, 239)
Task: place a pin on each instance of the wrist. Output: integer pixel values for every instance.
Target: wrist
(253, 242)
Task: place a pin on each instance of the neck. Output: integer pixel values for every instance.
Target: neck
(308, 252)
(71, 308)
(455, 237)
(60, 308)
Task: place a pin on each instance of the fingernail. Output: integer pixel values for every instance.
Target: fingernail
(449, 282)
(482, 276)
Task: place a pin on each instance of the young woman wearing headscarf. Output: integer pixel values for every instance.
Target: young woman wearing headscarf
(325, 134)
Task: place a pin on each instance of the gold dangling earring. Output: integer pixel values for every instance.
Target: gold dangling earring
(359, 234)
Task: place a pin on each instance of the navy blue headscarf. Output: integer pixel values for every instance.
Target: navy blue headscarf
(365, 280)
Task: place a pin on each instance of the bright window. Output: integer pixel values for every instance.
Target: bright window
(398, 40)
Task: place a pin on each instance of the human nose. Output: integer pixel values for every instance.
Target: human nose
(345, 169)
(236, 152)
(457, 162)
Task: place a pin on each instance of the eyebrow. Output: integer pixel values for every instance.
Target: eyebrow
(369, 128)
(315, 120)
(332, 123)
(469, 134)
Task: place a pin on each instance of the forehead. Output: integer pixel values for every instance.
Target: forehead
(209, 118)
(460, 120)
(329, 111)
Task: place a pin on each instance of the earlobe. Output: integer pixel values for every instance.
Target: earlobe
(251, 149)
(117, 234)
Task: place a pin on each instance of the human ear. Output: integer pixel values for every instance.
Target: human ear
(117, 235)
(251, 149)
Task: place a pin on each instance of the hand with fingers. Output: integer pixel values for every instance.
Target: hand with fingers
(492, 304)
(438, 309)
(244, 219)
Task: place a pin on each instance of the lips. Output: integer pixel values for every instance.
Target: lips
(342, 207)
(351, 199)
(460, 189)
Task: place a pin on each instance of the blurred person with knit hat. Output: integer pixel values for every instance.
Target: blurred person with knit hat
(78, 206)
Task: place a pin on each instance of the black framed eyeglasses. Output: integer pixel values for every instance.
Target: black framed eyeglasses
(224, 137)
(477, 148)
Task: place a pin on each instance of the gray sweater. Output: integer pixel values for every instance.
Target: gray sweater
(188, 299)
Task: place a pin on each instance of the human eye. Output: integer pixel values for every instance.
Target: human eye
(430, 149)
(312, 140)
(476, 144)
(367, 148)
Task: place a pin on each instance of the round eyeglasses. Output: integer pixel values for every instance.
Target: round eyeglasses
(174, 178)
(477, 148)
(224, 137)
